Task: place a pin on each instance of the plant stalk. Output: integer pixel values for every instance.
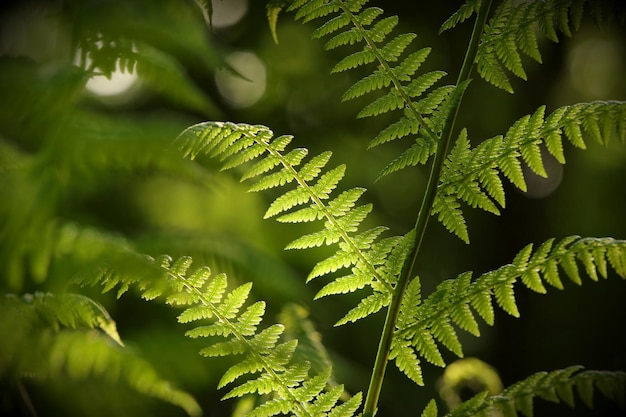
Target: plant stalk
(382, 355)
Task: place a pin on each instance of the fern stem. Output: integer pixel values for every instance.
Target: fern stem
(423, 216)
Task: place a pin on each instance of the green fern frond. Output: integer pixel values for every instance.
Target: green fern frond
(463, 13)
(438, 104)
(407, 361)
(273, 9)
(556, 386)
(73, 311)
(369, 305)
(423, 325)
(81, 355)
(50, 337)
(513, 30)
(265, 363)
(430, 410)
(312, 199)
(417, 97)
(473, 176)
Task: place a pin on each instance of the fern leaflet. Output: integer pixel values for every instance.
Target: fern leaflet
(463, 13)
(513, 29)
(556, 386)
(265, 358)
(361, 251)
(473, 176)
(424, 325)
(424, 107)
(52, 336)
(73, 311)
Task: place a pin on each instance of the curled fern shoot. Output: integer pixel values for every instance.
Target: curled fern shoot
(311, 200)
(424, 107)
(474, 176)
(424, 325)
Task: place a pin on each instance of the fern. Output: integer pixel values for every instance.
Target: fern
(556, 386)
(36, 329)
(512, 31)
(265, 360)
(309, 201)
(423, 325)
(58, 149)
(424, 108)
(474, 176)
(463, 13)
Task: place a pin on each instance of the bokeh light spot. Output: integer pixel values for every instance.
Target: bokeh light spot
(245, 88)
(595, 67)
(119, 83)
(227, 12)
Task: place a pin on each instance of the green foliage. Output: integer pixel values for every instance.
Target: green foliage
(59, 148)
(423, 325)
(262, 357)
(109, 38)
(423, 114)
(310, 200)
(556, 386)
(474, 175)
(512, 31)
(56, 329)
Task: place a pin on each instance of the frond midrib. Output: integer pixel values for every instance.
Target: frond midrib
(387, 69)
(234, 330)
(320, 204)
(479, 286)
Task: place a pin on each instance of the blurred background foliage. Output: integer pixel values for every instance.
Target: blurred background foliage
(87, 170)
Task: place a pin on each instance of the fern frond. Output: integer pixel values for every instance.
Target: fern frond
(73, 311)
(369, 305)
(556, 386)
(49, 336)
(430, 410)
(80, 355)
(513, 30)
(463, 13)
(312, 199)
(265, 363)
(423, 325)
(353, 23)
(473, 176)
